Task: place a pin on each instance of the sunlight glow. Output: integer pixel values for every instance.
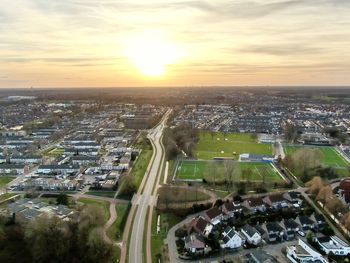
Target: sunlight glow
(150, 53)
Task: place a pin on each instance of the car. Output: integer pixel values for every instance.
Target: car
(301, 233)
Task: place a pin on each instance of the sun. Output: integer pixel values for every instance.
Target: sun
(150, 53)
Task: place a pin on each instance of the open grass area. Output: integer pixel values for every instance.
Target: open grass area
(331, 156)
(103, 204)
(6, 196)
(56, 152)
(102, 193)
(179, 195)
(140, 166)
(115, 232)
(167, 221)
(198, 170)
(4, 180)
(230, 145)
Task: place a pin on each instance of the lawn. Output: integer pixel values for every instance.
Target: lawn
(140, 166)
(115, 232)
(180, 195)
(102, 193)
(6, 196)
(167, 221)
(103, 204)
(56, 152)
(230, 145)
(197, 170)
(4, 180)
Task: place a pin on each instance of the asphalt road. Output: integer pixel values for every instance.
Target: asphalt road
(146, 198)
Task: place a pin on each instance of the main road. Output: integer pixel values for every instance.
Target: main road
(145, 199)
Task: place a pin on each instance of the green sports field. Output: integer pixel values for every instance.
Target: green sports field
(230, 145)
(197, 170)
(331, 156)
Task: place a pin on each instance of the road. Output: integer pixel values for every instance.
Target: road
(146, 199)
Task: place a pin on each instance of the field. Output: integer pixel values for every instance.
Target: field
(4, 180)
(56, 152)
(230, 145)
(331, 156)
(197, 170)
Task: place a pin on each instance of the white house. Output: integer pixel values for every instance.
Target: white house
(333, 244)
(251, 234)
(302, 253)
(231, 239)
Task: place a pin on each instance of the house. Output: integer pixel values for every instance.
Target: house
(213, 215)
(33, 159)
(201, 226)
(303, 253)
(260, 256)
(274, 231)
(251, 235)
(12, 168)
(293, 197)
(275, 201)
(305, 222)
(333, 245)
(58, 169)
(320, 221)
(344, 190)
(290, 227)
(254, 205)
(84, 160)
(231, 239)
(228, 210)
(195, 244)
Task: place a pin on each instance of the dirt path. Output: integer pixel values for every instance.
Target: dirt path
(109, 223)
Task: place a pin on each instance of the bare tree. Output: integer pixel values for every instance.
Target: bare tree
(232, 171)
(324, 194)
(314, 185)
(306, 159)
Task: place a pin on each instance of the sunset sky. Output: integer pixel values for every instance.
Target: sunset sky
(106, 43)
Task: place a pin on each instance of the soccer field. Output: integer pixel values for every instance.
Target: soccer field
(230, 145)
(331, 156)
(197, 170)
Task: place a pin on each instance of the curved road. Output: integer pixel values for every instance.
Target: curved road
(147, 198)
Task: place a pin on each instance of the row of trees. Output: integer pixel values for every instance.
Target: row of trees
(53, 240)
(182, 138)
(324, 194)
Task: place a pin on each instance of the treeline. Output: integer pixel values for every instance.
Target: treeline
(179, 140)
(51, 240)
(306, 163)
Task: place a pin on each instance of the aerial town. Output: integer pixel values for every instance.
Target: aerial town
(226, 179)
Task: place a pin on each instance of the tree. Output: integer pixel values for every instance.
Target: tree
(324, 194)
(314, 185)
(291, 132)
(62, 199)
(127, 186)
(211, 172)
(232, 171)
(305, 159)
(335, 206)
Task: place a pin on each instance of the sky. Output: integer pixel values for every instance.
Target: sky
(106, 43)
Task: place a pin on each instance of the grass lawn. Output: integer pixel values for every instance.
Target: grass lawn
(232, 145)
(167, 221)
(56, 152)
(6, 195)
(116, 254)
(103, 204)
(140, 166)
(179, 195)
(102, 193)
(197, 170)
(115, 232)
(4, 180)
